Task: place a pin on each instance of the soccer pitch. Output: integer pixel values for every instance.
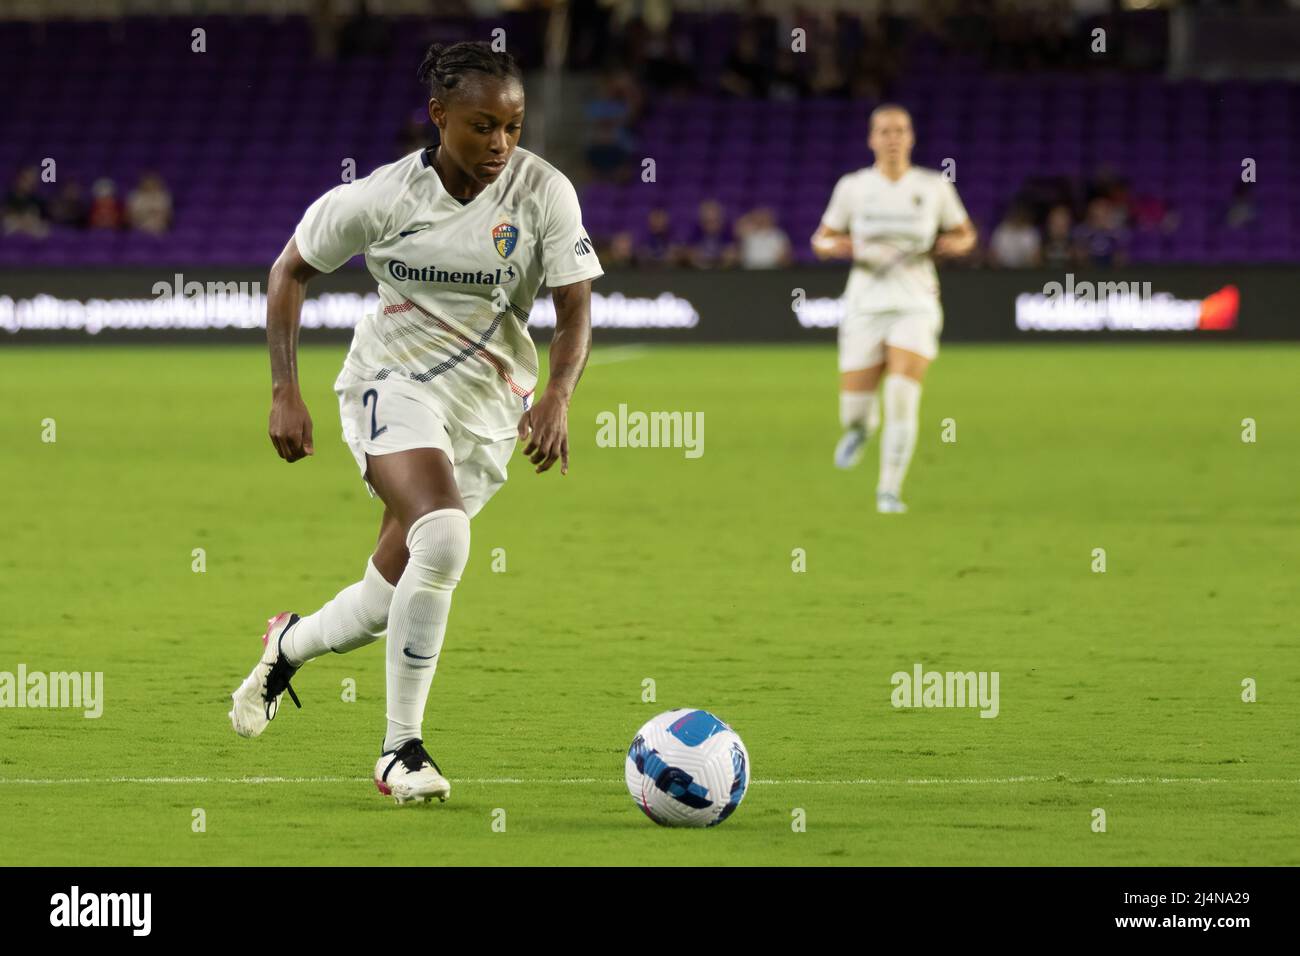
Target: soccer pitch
(1120, 691)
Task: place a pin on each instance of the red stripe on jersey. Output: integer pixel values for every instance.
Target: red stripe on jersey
(407, 305)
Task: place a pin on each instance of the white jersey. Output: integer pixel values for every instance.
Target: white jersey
(893, 225)
(438, 264)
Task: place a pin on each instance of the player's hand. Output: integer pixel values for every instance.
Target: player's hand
(290, 426)
(945, 246)
(878, 256)
(832, 246)
(949, 245)
(545, 428)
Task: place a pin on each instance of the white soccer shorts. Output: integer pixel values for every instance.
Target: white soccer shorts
(863, 337)
(395, 414)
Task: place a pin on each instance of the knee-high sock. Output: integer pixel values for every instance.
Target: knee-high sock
(355, 617)
(898, 440)
(857, 410)
(417, 620)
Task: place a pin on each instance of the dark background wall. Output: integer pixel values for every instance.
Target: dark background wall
(979, 305)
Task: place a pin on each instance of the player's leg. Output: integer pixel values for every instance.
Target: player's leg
(355, 617)
(905, 371)
(419, 488)
(861, 362)
(390, 555)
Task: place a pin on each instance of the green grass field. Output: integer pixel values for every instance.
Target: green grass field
(1119, 690)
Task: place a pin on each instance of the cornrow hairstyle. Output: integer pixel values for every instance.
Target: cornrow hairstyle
(448, 68)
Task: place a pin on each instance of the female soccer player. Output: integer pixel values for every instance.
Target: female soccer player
(889, 219)
(438, 383)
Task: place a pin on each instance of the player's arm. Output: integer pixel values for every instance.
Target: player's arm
(958, 241)
(546, 424)
(290, 423)
(828, 243)
(832, 239)
(337, 226)
(956, 235)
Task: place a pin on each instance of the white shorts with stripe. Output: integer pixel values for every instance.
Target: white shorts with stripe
(863, 336)
(394, 414)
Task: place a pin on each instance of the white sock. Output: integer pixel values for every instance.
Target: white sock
(355, 617)
(856, 409)
(417, 620)
(902, 409)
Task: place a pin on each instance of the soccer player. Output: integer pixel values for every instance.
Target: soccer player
(890, 219)
(438, 384)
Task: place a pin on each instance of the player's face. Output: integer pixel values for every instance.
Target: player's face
(480, 126)
(891, 137)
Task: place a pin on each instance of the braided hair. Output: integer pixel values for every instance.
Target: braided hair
(447, 68)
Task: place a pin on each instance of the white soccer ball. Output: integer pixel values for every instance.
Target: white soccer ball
(686, 768)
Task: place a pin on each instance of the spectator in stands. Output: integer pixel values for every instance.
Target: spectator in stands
(24, 210)
(1105, 183)
(1241, 211)
(763, 244)
(609, 155)
(788, 81)
(621, 87)
(69, 207)
(1150, 213)
(659, 246)
(1098, 239)
(1117, 203)
(1058, 249)
(828, 77)
(610, 117)
(712, 244)
(744, 73)
(589, 35)
(620, 250)
(1015, 243)
(874, 62)
(149, 207)
(666, 61)
(105, 209)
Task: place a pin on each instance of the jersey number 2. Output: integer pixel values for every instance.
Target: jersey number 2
(374, 409)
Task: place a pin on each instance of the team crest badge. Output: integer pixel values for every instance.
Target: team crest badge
(505, 236)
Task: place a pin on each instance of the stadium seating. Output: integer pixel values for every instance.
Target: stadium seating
(247, 134)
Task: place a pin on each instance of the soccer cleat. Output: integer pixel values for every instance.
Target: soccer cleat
(257, 700)
(850, 448)
(409, 774)
(887, 504)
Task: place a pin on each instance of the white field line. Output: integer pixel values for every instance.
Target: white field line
(613, 781)
(616, 353)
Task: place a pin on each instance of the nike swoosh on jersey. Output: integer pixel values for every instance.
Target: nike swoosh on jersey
(411, 232)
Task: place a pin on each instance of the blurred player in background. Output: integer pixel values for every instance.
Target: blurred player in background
(438, 383)
(890, 219)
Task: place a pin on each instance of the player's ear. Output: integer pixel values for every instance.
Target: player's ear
(437, 113)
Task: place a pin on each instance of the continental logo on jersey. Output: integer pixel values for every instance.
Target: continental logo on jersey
(505, 236)
(400, 271)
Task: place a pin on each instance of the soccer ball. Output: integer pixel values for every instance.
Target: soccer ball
(686, 768)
